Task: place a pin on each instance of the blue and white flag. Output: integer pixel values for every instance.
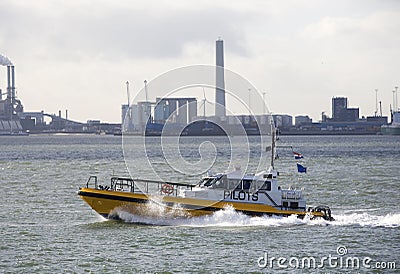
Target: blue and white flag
(301, 169)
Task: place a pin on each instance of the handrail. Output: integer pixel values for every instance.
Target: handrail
(131, 185)
(152, 181)
(95, 181)
(291, 194)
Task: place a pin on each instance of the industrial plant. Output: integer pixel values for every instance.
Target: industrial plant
(15, 121)
(168, 115)
(10, 106)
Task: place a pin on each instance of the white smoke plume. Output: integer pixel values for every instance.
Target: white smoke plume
(4, 61)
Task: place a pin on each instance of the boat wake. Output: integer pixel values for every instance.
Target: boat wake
(231, 218)
(368, 220)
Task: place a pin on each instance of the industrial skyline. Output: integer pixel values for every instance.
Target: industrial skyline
(138, 117)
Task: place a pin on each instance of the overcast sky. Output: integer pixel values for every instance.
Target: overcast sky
(77, 55)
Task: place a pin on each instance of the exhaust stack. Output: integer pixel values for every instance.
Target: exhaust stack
(8, 82)
(220, 110)
(12, 86)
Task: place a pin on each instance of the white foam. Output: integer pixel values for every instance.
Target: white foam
(365, 219)
(231, 218)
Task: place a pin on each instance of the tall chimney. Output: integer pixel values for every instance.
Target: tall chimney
(12, 87)
(8, 82)
(220, 110)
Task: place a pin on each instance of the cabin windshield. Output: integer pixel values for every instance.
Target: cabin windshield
(214, 182)
(207, 182)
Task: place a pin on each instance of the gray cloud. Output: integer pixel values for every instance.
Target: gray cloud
(117, 33)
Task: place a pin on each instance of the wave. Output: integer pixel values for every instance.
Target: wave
(365, 219)
(228, 217)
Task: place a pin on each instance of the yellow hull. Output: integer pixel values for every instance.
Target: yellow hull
(107, 203)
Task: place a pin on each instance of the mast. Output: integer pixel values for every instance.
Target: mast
(273, 143)
(376, 102)
(145, 89)
(127, 91)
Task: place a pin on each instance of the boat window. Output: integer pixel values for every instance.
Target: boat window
(209, 182)
(256, 185)
(239, 185)
(246, 184)
(266, 186)
(221, 182)
(234, 184)
(294, 205)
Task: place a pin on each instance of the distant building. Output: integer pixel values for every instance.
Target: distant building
(341, 112)
(380, 120)
(302, 120)
(283, 120)
(181, 110)
(126, 118)
(173, 110)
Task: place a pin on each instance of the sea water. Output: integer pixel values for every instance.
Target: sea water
(46, 228)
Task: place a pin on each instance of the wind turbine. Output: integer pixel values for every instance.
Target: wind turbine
(203, 104)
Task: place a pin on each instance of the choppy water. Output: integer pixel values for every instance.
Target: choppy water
(46, 227)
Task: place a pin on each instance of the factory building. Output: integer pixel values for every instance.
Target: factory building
(179, 110)
(10, 106)
(173, 110)
(301, 120)
(283, 120)
(341, 112)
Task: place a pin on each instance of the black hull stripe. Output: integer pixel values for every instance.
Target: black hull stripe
(112, 197)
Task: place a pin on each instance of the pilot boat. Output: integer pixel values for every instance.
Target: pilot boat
(252, 194)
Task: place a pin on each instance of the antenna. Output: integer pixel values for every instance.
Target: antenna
(397, 107)
(273, 143)
(127, 91)
(145, 89)
(376, 102)
(264, 107)
(394, 100)
(249, 100)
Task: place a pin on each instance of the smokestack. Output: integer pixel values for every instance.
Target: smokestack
(220, 110)
(66, 114)
(9, 82)
(12, 86)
